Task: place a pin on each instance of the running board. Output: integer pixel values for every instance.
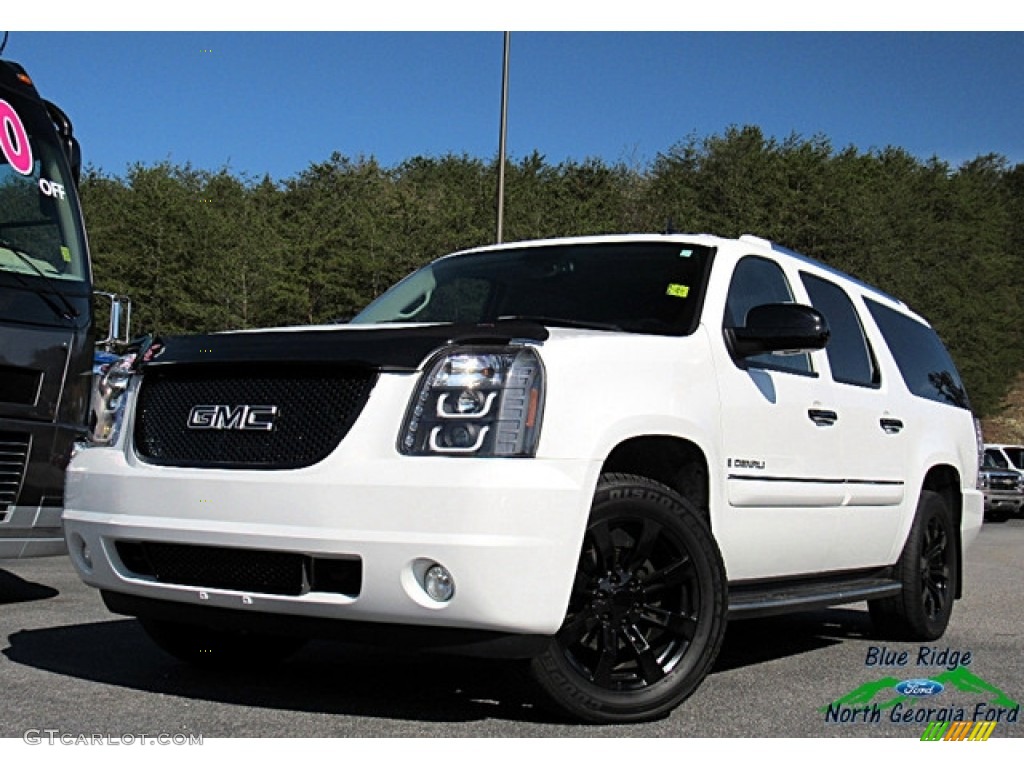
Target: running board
(749, 601)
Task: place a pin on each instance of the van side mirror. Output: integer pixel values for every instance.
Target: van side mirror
(119, 329)
(780, 328)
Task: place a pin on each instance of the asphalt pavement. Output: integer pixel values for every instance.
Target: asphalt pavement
(70, 669)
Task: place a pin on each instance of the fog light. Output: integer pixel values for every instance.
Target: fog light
(78, 546)
(438, 583)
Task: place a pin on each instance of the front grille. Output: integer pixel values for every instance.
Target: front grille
(1003, 483)
(316, 406)
(14, 448)
(241, 570)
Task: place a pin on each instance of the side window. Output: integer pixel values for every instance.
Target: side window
(849, 353)
(925, 365)
(759, 281)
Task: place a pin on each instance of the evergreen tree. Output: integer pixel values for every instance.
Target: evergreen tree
(202, 251)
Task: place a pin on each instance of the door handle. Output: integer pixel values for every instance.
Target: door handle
(890, 426)
(823, 418)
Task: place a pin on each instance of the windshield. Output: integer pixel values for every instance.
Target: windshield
(40, 230)
(1016, 455)
(643, 287)
(994, 458)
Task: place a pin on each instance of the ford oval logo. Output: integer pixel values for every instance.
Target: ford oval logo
(920, 687)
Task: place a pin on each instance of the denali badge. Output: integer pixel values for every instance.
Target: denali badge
(259, 418)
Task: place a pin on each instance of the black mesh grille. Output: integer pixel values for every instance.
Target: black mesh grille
(316, 406)
(241, 570)
(13, 455)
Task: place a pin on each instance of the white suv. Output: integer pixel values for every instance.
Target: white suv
(591, 452)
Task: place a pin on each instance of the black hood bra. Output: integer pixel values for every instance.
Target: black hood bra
(380, 348)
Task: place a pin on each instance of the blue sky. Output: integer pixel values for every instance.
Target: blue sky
(274, 102)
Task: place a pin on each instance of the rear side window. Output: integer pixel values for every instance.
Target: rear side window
(925, 365)
(849, 354)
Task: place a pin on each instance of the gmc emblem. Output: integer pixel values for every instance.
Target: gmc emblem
(258, 418)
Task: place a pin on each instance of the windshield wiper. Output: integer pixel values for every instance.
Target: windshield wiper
(563, 322)
(69, 312)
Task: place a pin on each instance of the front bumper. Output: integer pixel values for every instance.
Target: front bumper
(1003, 501)
(508, 530)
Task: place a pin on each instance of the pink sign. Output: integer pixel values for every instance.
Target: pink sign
(14, 140)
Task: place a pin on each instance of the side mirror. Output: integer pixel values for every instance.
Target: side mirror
(120, 328)
(780, 328)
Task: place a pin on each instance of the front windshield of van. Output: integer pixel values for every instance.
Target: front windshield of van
(40, 225)
(643, 287)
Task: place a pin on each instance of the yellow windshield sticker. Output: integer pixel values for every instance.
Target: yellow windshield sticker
(677, 290)
(66, 253)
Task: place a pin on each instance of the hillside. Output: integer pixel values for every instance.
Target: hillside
(1008, 426)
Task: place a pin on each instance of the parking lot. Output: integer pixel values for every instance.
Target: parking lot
(69, 666)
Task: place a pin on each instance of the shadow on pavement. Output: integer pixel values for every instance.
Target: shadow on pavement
(753, 641)
(323, 677)
(360, 681)
(14, 589)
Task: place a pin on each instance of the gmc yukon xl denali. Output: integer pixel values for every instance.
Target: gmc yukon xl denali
(590, 453)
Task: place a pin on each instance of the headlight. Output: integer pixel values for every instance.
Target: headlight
(108, 400)
(477, 402)
(983, 480)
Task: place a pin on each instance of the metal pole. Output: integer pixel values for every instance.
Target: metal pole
(501, 139)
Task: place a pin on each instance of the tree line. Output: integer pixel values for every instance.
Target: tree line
(201, 250)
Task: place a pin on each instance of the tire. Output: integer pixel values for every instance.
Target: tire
(647, 611)
(928, 571)
(206, 647)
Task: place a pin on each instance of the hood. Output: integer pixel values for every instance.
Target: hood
(380, 347)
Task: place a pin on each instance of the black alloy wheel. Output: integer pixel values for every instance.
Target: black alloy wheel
(928, 570)
(646, 612)
(936, 574)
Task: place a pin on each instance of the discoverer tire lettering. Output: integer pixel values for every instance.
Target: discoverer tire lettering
(647, 612)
